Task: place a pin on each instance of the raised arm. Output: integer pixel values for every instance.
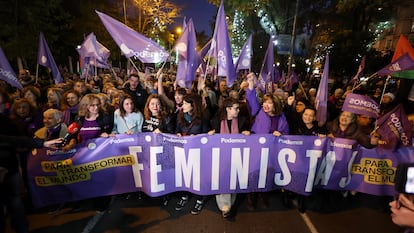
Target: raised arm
(251, 95)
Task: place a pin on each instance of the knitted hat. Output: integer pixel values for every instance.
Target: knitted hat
(390, 95)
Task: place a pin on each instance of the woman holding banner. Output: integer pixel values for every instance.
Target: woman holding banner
(93, 123)
(190, 121)
(307, 125)
(228, 121)
(127, 119)
(346, 126)
(269, 119)
(157, 120)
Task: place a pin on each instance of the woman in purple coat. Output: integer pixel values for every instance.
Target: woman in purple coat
(269, 119)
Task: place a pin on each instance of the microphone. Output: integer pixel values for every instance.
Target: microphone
(72, 130)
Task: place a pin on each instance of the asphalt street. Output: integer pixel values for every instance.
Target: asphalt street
(326, 213)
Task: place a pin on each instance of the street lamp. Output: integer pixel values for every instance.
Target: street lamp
(179, 30)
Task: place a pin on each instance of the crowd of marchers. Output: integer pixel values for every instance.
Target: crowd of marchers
(119, 103)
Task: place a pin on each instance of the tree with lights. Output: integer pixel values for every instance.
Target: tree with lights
(154, 16)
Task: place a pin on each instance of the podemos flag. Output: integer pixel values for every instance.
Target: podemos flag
(361, 104)
(394, 128)
(133, 43)
(223, 54)
(267, 71)
(321, 100)
(45, 58)
(186, 46)
(244, 61)
(6, 72)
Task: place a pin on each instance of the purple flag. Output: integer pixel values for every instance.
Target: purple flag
(45, 58)
(186, 46)
(282, 78)
(184, 23)
(244, 62)
(222, 48)
(276, 75)
(361, 104)
(201, 55)
(93, 52)
(267, 70)
(321, 100)
(360, 71)
(394, 128)
(292, 79)
(402, 63)
(133, 43)
(6, 72)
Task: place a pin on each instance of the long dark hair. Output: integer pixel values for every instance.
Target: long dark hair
(122, 99)
(227, 103)
(196, 114)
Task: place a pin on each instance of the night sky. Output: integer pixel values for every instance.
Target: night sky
(200, 11)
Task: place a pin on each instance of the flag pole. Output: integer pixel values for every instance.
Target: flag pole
(37, 72)
(303, 89)
(165, 62)
(372, 75)
(96, 69)
(86, 73)
(385, 86)
(133, 64)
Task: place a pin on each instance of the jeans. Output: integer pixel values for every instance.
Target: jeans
(10, 196)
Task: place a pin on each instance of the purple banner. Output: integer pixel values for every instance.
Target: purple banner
(158, 164)
(361, 104)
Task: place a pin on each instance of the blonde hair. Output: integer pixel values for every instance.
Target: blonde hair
(87, 100)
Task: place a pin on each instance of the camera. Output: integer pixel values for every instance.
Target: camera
(404, 178)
